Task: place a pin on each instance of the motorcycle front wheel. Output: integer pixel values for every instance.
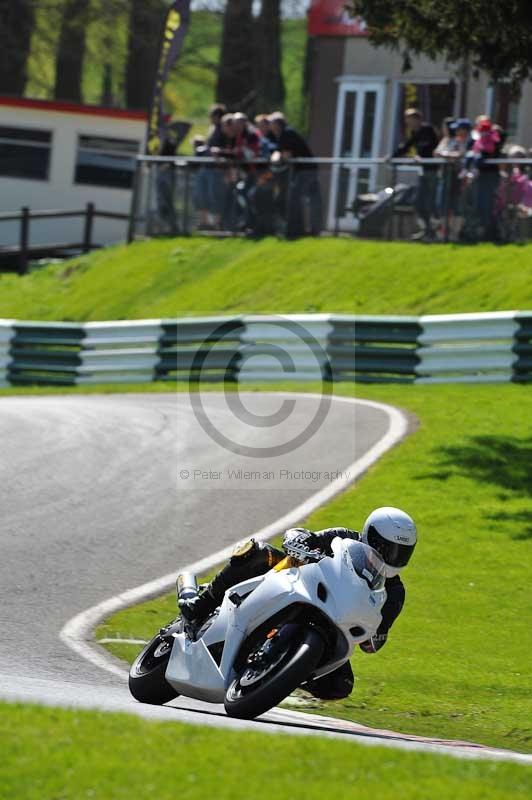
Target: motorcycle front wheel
(147, 683)
(263, 682)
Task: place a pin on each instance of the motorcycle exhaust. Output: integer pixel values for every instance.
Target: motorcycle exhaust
(187, 586)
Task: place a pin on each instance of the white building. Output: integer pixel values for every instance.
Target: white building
(56, 155)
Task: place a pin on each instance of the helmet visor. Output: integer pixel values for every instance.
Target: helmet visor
(392, 553)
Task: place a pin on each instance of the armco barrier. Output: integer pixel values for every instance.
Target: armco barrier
(467, 348)
(277, 348)
(373, 349)
(473, 348)
(523, 348)
(6, 335)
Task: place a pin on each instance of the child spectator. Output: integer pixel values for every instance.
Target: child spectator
(485, 144)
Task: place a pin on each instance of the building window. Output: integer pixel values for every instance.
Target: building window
(102, 161)
(25, 153)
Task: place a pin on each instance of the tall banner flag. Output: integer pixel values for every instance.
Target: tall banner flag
(175, 28)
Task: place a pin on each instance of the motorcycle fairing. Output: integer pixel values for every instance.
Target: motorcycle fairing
(353, 609)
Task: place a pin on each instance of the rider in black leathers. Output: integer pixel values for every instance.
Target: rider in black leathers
(255, 558)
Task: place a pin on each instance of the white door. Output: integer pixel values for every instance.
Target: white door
(357, 135)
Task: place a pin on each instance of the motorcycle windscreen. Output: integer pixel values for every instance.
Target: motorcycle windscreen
(367, 564)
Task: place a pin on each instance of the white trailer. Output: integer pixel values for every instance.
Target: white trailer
(56, 155)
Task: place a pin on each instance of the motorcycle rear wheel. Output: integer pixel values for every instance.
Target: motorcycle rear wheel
(292, 669)
(147, 683)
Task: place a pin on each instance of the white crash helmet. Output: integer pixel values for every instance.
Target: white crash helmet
(392, 533)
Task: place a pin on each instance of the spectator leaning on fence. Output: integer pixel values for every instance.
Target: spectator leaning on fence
(208, 183)
(165, 186)
(202, 184)
(247, 138)
(452, 148)
(420, 142)
(304, 178)
(268, 143)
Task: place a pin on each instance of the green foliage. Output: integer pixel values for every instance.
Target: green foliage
(75, 755)
(195, 276)
(496, 37)
(456, 664)
(191, 87)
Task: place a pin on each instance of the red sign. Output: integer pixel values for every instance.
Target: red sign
(329, 18)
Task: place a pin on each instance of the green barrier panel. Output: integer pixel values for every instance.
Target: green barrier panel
(522, 367)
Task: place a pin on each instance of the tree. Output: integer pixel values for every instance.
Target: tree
(146, 22)
(71, 51)
(236, 76)
(495, 37)
(16, 26)
(269, 77)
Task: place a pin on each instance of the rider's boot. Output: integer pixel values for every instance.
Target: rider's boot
(196, 609)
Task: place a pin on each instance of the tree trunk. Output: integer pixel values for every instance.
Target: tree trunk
(146, 21)
(16, 26)
(71, 51)
(269, 76)
(236, 75)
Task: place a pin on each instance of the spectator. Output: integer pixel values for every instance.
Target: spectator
(165, 186)
(247, 139)
(485, 143)
(268, 143)
(203, 185)
(216, 142)
(304, 178)
(216, 114)
(515, 188)
(420, 142)
(452, 148)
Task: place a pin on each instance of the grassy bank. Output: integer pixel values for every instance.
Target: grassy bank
(67, 755)
(456, 665)
(191, 277)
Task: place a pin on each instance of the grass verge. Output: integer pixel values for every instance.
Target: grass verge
(191, 277)
(457, 663)
(73, 755)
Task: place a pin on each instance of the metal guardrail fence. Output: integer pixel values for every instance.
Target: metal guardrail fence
(24, 250)
(432, 199)
(474, 348)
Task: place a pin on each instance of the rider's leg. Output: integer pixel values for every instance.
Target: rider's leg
(248, 560)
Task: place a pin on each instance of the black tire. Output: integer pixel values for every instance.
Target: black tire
(292, 671)
(147, 683)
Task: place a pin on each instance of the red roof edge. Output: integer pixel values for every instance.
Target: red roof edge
(72, 108)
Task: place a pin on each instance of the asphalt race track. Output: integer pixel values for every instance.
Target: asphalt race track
(100, 494)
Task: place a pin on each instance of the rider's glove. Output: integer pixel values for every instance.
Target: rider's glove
(301, 544)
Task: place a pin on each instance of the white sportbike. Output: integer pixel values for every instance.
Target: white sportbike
(272, 633)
